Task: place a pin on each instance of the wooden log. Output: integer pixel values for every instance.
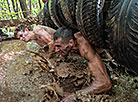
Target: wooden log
(15, 22)
(9, 23)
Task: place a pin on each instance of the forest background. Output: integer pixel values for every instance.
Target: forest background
(13, 12)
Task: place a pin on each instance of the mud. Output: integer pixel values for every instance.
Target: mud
(27, 75)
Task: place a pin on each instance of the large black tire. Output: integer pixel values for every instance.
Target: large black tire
(47, 19)
(52, 4)
(68, 8)
(57, 15)
(89, 20)
(123, 32)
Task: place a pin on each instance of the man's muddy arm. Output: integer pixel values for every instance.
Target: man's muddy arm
(101, 81)
(41, 33)
(46, 34)
(29, 36)
(50, 30)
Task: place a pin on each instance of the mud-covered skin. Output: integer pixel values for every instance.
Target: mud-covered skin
(101, 81)
(123, 32)
(95, 65)
(22, 76)
(43, 35)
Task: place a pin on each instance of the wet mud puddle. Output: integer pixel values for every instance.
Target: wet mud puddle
(27, 75)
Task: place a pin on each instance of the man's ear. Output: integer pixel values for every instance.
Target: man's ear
(26, 30)
(71, 42)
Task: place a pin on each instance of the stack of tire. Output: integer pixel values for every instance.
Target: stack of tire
(79, 15)
(123, 32)
(47, 18)
(104, 23)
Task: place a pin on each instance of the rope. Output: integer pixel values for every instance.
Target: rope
(15, 13)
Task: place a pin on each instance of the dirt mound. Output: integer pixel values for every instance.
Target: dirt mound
(27, 75)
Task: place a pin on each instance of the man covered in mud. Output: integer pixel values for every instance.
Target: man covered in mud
(66, 42)
(41, 34)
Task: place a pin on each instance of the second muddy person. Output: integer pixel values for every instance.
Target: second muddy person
(41, 34)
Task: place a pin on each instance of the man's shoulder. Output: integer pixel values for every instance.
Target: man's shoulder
(43, 27)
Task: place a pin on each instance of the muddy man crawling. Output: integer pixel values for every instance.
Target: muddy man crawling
(64, 42)
(43, 35)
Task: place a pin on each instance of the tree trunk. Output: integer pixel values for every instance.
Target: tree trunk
(9, 7)
(14, 8)
(39, 4)
(17, 9)
(30, 5)
(24, 8)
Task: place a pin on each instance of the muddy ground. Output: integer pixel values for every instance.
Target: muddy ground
(27, 75)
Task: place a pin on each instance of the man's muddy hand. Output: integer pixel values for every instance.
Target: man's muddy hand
(28, 36)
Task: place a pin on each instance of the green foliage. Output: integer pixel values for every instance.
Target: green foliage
(5, 13)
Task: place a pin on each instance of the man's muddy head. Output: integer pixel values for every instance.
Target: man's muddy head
(63, 40)
(20, 28)
(64, 33)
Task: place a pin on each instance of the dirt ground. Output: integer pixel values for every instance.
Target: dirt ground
(27, 75)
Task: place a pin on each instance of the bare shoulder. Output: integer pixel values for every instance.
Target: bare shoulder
(37, 28)
(80, 39)
(40, 27)
(45, 28)
(77, 35)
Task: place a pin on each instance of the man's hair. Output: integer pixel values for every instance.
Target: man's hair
(65, 33)
(21, 27)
